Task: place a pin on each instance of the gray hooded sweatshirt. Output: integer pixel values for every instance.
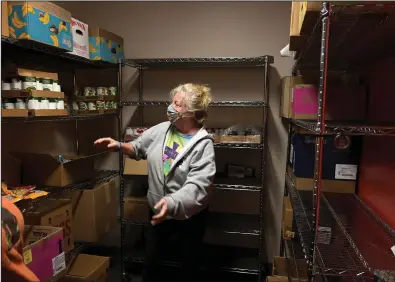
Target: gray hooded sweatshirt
(187, 186)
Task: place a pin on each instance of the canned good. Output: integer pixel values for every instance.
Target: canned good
(16, 84)
(28, 83)
(52, 104)
(44, 105)
(56, 86)
(102, 90)
(100, 105)
(47, 84)
(82, 106)
(61, 104)
(33, 104)
(109, 105)
(6, 86)
(9, 104)
(20, 104)
(89, 91)
(112, 90)
(39, 84)
(92, 106)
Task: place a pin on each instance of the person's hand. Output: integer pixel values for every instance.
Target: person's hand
(161, 216)
(107, 143)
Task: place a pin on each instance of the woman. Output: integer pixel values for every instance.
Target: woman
(12, 228)
(181, 168)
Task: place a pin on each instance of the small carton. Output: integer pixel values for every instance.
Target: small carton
(56, 213)
(45, 169)
(105, 46)
(43, 22)
(133, 167)
(88, 268)
(80, 38)
(44, 254)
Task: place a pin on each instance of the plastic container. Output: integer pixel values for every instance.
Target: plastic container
(8, 104)
(56, 86)
(89, 91)
(44, 105)
(100, 105)
(112, 90)
(82, 106)
(92, 106)
(16, 84)
(33, 104)
(39, 84)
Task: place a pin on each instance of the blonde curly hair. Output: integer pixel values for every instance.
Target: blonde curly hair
(197, 98)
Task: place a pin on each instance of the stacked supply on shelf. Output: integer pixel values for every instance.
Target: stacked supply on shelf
(49, 24)
(88, 268)
(29, 92)
(96, 100)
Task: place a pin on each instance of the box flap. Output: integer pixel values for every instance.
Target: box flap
(49, 7)
(35, 233)
(96, 31)
(89, 267)
(41, 157)
(137, 200)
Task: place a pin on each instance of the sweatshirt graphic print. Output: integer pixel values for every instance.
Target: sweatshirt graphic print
(174, 145)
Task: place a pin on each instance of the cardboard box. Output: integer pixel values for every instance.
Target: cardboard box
(287, 83)
(136, 208)
(43, 22)
(35, 73)
(45, 169)
(4, 19)
(334, 186)
(340, 155)
(80, 38)
(304, 103)
(133, 167)
(296, 40)
(56, 213)
(95, 211)
(235, 201)
(88, 268)
(105, 46)
(288, 270)
(308, 15)
(287, 219)
(43, 252)
(48, 113)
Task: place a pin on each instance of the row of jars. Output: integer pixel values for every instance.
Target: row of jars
(33, 104)
(95, 91)
(32, 83)
(94, 105)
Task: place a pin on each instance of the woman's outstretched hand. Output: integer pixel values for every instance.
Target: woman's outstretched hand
(107, 143)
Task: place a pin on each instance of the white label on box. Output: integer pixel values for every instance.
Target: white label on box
(346, 171)
(58, 264)
(291, 153)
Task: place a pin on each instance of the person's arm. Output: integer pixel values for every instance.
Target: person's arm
(137, 149)
(194, 195)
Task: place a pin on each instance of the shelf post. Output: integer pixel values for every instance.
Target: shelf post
(320, 129)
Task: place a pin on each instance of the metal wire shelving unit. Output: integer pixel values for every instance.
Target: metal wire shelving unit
(240, 264)
(22, 51)
(360, 241)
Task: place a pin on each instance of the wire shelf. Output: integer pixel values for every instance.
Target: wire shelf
(59, 192)
(359, 245)
(200, 62)
(37, 47)
(233, 260)
(239, 145)
(54, 118)
(352, 25)
(212, 104)
(332, 128)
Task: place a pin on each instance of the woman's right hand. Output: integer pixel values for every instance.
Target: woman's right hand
(107, 143)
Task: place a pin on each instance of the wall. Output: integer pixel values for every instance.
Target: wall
(207, 29)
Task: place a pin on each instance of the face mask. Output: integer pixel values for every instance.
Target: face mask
(172, 114)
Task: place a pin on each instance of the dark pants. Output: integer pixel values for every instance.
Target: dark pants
(183, 237)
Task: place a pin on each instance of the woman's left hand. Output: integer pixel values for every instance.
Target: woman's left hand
(162, 215)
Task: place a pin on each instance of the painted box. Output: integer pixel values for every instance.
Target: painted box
(43, 22)
(80, 38)
(43, 253)
(304, 101)
(105, 46)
